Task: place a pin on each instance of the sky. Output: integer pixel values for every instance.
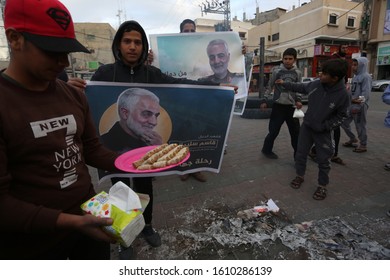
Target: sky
(163, 16)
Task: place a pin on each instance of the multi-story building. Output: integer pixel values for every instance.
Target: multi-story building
(316, 29)
(208, 25)
(378, 38)
(97, 37)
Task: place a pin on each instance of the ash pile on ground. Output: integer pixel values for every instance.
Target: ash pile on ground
(213, 234)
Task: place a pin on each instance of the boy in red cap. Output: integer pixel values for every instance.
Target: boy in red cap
(47, 138)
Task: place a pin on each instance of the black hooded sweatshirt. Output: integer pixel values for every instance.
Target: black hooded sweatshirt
(327, 105)
(141, 73)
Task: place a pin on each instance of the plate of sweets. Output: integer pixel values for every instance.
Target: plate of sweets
(153, 158)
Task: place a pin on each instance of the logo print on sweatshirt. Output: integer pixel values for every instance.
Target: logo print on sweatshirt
(68, 156)
(332, 105)
(61, 17)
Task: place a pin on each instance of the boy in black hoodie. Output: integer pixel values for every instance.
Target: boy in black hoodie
(130, 49)
(327, 108)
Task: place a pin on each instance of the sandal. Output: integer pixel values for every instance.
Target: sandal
(320, 193)
(337, 160)
(297, 182)
(350, 143)
(360, 149)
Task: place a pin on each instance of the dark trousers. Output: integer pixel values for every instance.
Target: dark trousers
(336, 139)
(141, 185)
(324, 149)
(279, 115)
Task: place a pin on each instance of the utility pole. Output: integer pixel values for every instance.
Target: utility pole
(119, 17)
(218, 7)
(365, 24)
(261, 68)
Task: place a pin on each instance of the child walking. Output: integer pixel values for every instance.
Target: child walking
(360, 90)
(328, 102)
(284, 103)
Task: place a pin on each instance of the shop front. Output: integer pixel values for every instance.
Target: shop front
(255, 81)
(383, 61)
(324, 52)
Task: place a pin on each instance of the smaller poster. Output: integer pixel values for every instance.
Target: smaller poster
(205, 57)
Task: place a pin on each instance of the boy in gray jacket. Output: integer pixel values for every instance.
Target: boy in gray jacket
(327, 108)
(284, 103)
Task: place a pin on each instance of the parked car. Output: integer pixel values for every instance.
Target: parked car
(308, 79)
(305, 98)
(380, 85)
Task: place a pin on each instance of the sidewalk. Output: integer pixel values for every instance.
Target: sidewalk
(199, 220)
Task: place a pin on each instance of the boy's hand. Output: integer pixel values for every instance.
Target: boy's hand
(298, 105)
(356, 101)
(92, 226)
(279, 81)
(263, 106)
(78, 83)
(87, 224)
(150, 58)
(230, 85)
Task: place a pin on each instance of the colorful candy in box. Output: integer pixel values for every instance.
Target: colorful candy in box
(124, 206)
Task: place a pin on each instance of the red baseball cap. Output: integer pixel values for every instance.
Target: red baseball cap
(45, 23)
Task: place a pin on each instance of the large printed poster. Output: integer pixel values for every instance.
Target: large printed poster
(196, 116)
(202, 56)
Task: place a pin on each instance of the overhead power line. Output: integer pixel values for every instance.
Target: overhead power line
(304, 35)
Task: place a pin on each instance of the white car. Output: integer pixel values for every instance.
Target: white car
(306, 80)
(380, 85)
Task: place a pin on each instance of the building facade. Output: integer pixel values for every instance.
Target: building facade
(208, 25)
(378, 38)
(97, 37)
(316, 29)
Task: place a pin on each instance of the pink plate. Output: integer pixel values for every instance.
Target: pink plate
(125, 161)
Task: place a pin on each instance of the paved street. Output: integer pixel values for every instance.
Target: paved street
(199, 220)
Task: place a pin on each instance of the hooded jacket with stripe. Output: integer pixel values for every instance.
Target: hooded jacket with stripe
(361, 82)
